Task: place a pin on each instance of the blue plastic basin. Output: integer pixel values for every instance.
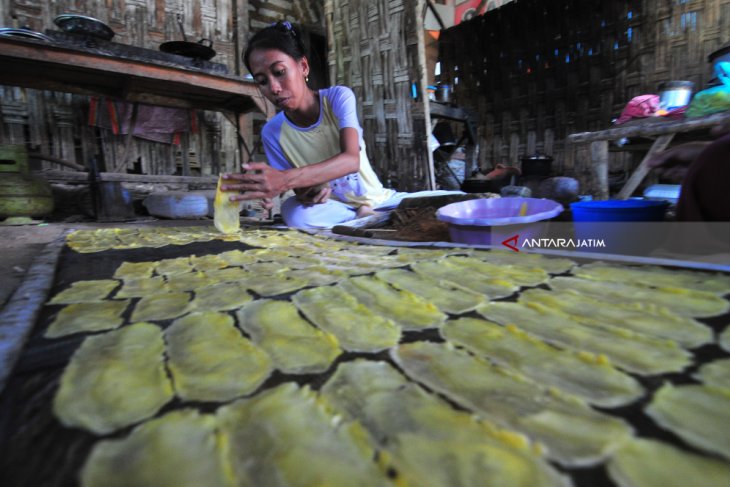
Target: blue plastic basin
(619, 211)
(621, 225)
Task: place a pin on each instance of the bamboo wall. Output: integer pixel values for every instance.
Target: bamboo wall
(538, 71)
(375, 51)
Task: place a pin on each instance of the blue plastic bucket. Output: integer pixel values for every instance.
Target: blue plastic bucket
(619, 211)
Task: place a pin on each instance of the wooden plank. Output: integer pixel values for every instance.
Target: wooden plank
(643, 169)
(127, 178)
(652, 129)
(19, 315)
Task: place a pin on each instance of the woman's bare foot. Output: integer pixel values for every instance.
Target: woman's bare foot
(364, 211)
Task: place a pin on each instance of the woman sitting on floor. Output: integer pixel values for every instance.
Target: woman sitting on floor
(314, 145)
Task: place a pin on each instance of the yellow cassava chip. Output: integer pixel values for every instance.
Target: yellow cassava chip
(429, 442)
(85, 292)
(208, 262)
(188, 281)
(356, 327)
(87, 317)
(715, 374)
(724, 339)
(656, 277)
(579, 373)
(574, 433)
(220, 297)
(210, 360)
(649, 463)
(295, 346)
(446, 271)
(645, 318)
(137, 288)
(226, 216)
(447, 297)
(682, 301)
(698, 414)
(289, 434)
(180, 449)
(157, 307)
(406, 309)
(114, 380)
(178, 265)
(135, 270)
(635, 352)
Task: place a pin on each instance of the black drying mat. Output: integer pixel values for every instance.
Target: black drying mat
(36, 450)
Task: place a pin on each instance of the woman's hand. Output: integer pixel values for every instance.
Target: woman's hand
(259, 180)
(314, 195)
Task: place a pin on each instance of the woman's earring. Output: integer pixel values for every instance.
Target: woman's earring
(306, 79)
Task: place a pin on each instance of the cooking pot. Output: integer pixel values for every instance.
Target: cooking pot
(443, 93)
(482, 185)
(536, 165)
(675, 94)
(197, 50)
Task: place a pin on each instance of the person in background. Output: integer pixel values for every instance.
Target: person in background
(703, 169)
(314, 145)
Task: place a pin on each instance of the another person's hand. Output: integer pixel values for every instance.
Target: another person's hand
(258, 181)
(672, 164)
(314, 195)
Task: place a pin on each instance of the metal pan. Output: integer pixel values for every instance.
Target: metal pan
(80, 24)
(24, 34)
(197, 50)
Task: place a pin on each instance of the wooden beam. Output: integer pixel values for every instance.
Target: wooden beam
(54, 175)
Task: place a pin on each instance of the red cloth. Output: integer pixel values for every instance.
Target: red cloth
(158, 124)
(641, 106)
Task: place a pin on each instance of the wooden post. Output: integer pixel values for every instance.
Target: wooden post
(420, 9)
(599, 162)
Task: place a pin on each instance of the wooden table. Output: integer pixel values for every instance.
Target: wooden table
(661, 133)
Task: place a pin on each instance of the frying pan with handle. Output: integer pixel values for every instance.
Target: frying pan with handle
(196, 50)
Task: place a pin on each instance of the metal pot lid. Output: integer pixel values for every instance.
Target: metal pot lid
(24, 33)
(81, 24)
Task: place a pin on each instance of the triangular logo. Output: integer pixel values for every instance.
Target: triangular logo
(511, 243)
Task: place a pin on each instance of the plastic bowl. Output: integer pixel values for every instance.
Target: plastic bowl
(619, 211)
(489, 221)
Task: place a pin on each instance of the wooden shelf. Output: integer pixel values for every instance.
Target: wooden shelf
(43, 66)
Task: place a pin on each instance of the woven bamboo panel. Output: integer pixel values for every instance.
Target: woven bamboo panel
(538, 71)
(374, 51)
